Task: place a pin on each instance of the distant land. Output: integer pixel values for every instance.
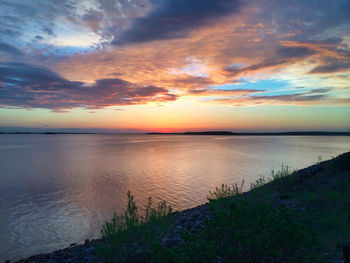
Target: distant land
(48, 133)
(44, 130)
(297, 133)
(228, 133)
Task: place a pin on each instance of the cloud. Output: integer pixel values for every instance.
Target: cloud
(301, 99)
(285, 52)
(48, 30)
(230, 39)
(30, 86)
(93, 19)
(223, 92)
(38, 37)
(305, 20)
(281, 56)
(333, 65)
(171, 19)
(321, 90)
(304, 97)
(328, 41)
(6, 48)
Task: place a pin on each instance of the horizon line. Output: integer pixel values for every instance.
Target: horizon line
(205, 132)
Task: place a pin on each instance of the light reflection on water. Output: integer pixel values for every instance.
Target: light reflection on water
(59, 189)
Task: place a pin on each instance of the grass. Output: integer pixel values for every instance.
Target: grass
(322, 202)
(275, 175)
(247, 232)
(225, 191)
(283, 218)
(127, 237)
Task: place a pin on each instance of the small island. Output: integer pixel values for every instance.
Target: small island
(296, 133)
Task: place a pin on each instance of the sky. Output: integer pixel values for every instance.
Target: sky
(175, 65)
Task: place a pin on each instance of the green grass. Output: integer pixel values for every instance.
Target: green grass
(283, 218)
(275, 175)
(128, 236)
(242, 231)
(225, 191)
(322, 202)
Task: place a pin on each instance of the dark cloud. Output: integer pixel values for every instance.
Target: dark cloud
(22, 75)
(29, 86)
(38, 37)
(282, 55)
(9, 24)
(263, 65)
(294, 52)
(224, 91)
(48, 30)
(333, 65)
(306, 20)
(329, 41)
(322, 90)
(6, 48)
(315, 96)
(308, 96)
(290, 97)
(175, 18)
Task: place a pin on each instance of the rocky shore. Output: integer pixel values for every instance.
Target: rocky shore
(190, 220)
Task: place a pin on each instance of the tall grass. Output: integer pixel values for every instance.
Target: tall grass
(274, 176)
(226, 191)
(127, 236)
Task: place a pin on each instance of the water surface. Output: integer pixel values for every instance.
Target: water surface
(59, 189)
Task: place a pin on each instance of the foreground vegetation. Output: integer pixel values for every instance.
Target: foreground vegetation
(286, 217)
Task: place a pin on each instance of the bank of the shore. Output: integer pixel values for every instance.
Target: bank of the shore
(311, 190)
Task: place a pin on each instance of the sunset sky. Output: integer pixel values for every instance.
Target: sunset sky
(175, 65)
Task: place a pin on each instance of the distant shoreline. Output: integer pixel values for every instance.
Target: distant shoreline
(48, 133)
(301, 133)
(226, 133)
